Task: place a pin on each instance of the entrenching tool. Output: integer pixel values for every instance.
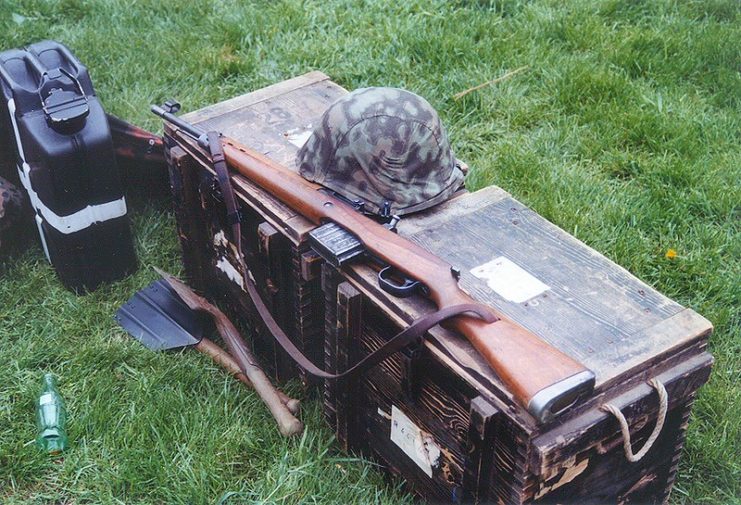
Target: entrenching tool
(287, 423)
(160, 320)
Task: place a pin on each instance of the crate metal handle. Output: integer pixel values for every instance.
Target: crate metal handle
(663, 406)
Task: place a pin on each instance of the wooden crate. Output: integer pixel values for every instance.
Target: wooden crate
(273, 120)
(443, 395)
(490, 448)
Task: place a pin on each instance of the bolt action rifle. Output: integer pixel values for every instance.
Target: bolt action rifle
(541, 378)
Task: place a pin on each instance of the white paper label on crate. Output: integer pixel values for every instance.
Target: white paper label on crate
(416, 443)
(509, 280)
(298, 136)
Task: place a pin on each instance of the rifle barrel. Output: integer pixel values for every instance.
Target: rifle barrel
(191, 130)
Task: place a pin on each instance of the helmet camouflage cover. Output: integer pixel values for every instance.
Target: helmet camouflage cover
(385, 147)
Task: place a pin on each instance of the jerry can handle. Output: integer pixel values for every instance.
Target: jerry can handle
(63, 108)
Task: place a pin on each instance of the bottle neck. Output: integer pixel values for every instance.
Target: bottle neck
(49, 382)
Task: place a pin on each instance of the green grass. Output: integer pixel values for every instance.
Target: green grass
(624, 131)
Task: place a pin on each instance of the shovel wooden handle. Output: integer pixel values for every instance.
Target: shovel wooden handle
(288, 424)
(223, 358)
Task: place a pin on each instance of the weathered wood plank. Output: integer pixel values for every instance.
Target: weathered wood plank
(439, 407)
(348, 323)
(603, 475)
(592, 308)
(193, 241)
(233, 104)
(331, 390)
(478, 466)
(668, 337)
(274, 121)
(462, 203)
(277, 123)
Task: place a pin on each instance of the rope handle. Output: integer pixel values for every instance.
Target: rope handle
(663, 405)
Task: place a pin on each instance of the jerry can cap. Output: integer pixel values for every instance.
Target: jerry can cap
(64, 108)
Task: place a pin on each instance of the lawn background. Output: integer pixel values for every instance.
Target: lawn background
(624, 131)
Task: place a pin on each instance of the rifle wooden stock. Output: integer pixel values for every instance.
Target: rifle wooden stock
(540, 377)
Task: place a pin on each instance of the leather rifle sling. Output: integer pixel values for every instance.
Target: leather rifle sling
(413, 334)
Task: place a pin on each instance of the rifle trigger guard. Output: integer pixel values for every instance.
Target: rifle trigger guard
(408, 288)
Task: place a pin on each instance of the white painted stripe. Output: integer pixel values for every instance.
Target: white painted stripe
(11, 110)
(231, 271)
(43, 237)
(70, 223)
(76, 221)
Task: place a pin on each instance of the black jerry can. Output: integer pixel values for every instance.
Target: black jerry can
(66, 163)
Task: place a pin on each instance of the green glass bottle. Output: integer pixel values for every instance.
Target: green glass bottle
(51, 418)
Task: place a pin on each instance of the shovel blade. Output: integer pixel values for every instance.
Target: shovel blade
(158, 318)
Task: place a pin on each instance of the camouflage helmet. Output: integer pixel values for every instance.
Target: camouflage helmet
(385, 147)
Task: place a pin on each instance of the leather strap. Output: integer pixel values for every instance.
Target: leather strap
(413, 334)
(227, 192)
